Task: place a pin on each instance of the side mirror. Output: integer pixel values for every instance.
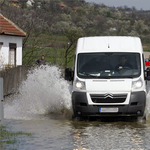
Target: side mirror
(147, 74)
(69, 73)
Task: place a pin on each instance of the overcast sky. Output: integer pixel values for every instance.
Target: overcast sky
(138, 4)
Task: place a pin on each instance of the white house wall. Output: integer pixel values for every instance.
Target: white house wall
(4, 51)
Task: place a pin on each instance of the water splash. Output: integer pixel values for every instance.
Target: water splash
(148, 102)
(44, 92)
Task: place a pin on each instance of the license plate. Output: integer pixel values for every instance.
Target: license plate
(108, 110)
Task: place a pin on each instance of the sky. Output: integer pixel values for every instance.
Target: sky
(138, 4)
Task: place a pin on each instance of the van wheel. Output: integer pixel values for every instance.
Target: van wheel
(143, 118)
(75, 117)
(79, 118)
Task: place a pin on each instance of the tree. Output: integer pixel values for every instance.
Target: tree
(141, 27)
(72, 35)
(2, 3)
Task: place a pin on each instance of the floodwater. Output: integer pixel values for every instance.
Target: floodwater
(43, 108)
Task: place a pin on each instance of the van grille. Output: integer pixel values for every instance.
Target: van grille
(108, 98)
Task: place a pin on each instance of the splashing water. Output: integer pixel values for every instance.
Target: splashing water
(44, 92)
(148, 102)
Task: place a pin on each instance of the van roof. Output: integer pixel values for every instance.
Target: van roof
(109, 44)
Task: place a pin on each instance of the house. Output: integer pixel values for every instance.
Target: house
(10, 43)
(30, 3)
(23, 3)
(14, 3)
(62, 5)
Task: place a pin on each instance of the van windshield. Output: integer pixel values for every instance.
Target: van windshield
(108, 65)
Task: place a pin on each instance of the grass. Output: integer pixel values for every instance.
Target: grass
(52, 46)
(8, 137)
(146, 47)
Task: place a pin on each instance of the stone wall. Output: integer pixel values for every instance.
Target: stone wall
(13, 78)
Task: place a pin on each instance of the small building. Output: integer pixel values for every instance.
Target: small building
(62, 5)
(30, 3)
(10, 43)
(14, 3)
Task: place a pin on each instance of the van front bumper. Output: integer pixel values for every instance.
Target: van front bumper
(136, 106)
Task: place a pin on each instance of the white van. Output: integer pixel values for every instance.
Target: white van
(109, 77)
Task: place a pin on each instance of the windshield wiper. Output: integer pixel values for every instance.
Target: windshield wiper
(128, 77)
(114, 77)
(88, 74)
(121, 77)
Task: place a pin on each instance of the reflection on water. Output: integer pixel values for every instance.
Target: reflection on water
(63, 134)
(112, 136)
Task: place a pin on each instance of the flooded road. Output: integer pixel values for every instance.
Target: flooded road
(43, 108)
(62, 134)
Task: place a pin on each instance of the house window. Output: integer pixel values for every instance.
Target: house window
(12, 54)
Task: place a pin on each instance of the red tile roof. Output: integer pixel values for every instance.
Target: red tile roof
(9, 28)
(62, 5)
(75, 7)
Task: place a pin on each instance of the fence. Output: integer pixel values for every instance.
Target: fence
(3, 67)
(13, 78)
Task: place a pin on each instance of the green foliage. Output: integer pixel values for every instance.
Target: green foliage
(8, 137)
(53, 29)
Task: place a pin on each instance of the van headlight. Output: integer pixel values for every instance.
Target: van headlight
(137, 84)
(80, 85)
